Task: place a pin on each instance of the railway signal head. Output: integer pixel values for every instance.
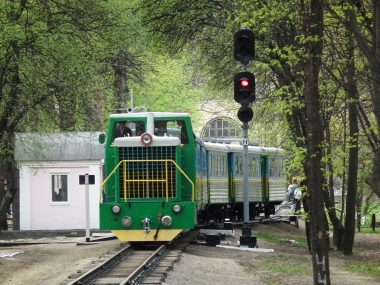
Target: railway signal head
(244, 88)
(244, 45)
(245, 114)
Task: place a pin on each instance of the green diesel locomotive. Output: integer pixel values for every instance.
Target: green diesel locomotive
(160, 179)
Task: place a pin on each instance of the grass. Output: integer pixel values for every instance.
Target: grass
(365, 268)
(276, 239)
(270, 280)
(278, 266)
(281, 264)
(367, 230)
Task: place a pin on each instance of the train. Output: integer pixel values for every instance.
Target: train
(161, 179)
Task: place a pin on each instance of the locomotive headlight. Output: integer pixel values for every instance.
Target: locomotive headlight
(116, 209)
(166, 221)
(126, 222)
(146, 139)
(177, 208)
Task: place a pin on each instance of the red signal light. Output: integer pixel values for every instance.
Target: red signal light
(244, 83)
(244, 88)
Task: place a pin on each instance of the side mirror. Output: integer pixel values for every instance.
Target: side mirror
(102, 138)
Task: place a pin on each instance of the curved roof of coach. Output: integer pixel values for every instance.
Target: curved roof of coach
(274, 150)
(239, 148)
(251, 149)
(216, 146)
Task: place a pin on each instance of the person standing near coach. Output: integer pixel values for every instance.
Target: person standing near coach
(298, 196)
(291, 189)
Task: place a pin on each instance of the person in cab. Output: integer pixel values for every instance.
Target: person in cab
(123, 131)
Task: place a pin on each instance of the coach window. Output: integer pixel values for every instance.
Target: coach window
(59, 188)
(213, 165)
(276, 167)
(253, 168)
(236, 166)
(218, 166)
(250, 168)
(223, 166)
(221, 170)
(239, 165)
(257, 167)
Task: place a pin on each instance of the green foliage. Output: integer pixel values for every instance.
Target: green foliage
(62, 53)
(168, 87)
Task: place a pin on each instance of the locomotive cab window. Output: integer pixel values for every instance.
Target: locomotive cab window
(128, 128)
(139, 128)
(175, 128)
(160, 128)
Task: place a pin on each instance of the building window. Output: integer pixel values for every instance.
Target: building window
(59, 188)
(221, 127)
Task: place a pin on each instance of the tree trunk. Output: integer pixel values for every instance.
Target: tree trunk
(313, 27)
(329, 198)
(10, 173)
(306, 208)
(349, 233)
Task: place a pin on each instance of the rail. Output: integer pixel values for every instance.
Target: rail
(164, 179)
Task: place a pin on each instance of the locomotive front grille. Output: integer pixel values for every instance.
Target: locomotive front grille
(147, 172)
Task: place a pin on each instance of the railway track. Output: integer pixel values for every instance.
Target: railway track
(130, 266)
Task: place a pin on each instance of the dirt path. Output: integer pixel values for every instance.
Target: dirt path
(200, 265)
(288, 265)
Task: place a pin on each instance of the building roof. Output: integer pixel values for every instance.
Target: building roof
(73, 146)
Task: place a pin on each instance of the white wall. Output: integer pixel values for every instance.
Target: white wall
(38, 212)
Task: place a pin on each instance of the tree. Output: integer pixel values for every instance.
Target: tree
(168, 86)
(313, 32)
(363, 22)
(50, 58)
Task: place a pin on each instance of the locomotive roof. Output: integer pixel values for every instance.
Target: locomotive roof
(145, 114)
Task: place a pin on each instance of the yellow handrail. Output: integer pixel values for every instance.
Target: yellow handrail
(106, 180)
(102, 187)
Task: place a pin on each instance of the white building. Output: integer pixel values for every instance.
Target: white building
(51, 197)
